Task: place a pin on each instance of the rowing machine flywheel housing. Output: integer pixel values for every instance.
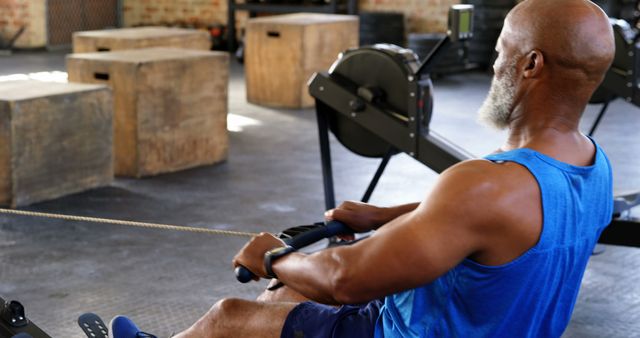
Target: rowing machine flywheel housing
(378, 100)
(383, 75)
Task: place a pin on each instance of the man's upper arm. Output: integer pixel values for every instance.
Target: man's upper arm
(422, 245)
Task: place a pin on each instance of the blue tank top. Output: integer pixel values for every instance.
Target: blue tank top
(531, 296)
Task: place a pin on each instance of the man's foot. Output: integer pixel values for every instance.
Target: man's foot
(123, 327)
(93, 326)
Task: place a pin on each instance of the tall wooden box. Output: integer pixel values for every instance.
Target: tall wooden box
(170, 106)
(140, 37)
(55, 139)
(282, 52)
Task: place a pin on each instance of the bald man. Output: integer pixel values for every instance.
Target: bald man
(499, 247)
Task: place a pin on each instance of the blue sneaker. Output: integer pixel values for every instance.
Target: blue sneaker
(123, 327)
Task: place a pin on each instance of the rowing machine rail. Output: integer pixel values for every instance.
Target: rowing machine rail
(14, 321)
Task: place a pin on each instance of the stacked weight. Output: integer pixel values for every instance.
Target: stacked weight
(376, 27)
(488, 18)
(454, 59)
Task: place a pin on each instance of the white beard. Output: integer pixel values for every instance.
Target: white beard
(496, 108)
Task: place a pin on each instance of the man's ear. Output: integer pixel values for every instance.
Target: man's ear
(534, 64)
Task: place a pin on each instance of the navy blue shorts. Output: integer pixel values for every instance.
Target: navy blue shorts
(313, 320)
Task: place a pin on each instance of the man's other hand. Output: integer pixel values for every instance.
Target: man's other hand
(360, 217)
(251, 256)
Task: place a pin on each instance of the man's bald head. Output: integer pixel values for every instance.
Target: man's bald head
(573, 35)
(551, 53)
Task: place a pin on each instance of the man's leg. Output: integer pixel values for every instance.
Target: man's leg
(241, 318)
(281, 294)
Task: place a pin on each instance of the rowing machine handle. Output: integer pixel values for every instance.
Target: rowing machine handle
(331, 229)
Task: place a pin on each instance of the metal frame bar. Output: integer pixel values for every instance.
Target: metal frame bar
(596, 123)
(622, 232)
(431, 149)
(377, 175)
(338, 95)
(325, 160)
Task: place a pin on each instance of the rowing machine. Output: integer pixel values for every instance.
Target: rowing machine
(377, 101)
(621, 80)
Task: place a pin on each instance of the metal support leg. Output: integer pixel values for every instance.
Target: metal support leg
(599, 117)
(376, 176)
(231, 26)
(325, 157)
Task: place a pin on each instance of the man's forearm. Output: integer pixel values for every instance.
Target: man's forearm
(321, 276)
(391, 213)
(315, 276)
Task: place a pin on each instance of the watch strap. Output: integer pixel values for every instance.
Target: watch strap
(271, 256)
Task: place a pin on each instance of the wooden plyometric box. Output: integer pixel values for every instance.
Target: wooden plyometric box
(55, 140)
(140, 37)
(170, 106)
(282, 52)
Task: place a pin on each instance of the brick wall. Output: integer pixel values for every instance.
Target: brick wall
(420, 15)
(141, 12)
(31, 14)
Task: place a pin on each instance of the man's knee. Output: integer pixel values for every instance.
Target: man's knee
(226, 307)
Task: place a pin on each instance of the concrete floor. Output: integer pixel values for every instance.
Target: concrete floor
(165, 280)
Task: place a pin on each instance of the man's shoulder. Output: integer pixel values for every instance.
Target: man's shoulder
(499, 203)
(486, 177)
(490, 191)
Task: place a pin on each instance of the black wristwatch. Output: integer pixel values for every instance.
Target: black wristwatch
(271, 256)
